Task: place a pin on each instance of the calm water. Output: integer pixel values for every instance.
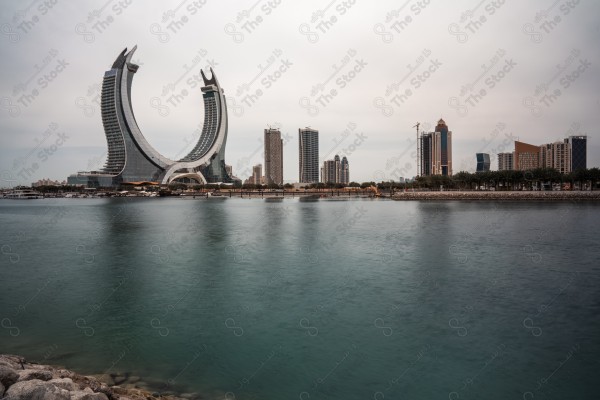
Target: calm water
(250, 299)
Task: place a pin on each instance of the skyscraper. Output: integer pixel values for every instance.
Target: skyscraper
(335, 171)
(578, 152)
(556, 155)
(308, 159)
(328, 172)
(425, 154)
(441, 150)
(526, 156)
(483, 162)
(505, 161)
(257, 174)
(436, 151)
(132, 159)
(345, 173)
(273, 157)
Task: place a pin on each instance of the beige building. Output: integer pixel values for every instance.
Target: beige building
(273, 157)
(556, 155)
(505, 162)
(257, 174)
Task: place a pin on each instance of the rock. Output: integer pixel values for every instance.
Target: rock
(134, 379)
(8, 376)
(1, 390)
(63, 373)
(84, 395)
(37, 390)
(29, 374)
(15, 362)
(65, 383)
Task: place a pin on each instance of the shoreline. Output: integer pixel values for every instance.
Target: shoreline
(501, 195)
(454, 195)
(21, 379)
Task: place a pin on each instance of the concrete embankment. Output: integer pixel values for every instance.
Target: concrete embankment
(500, 196)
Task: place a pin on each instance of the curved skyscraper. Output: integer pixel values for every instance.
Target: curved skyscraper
(132, 159)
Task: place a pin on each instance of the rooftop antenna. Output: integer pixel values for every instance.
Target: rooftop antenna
(418, 152)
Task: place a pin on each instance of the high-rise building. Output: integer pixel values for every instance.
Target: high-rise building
(273, 157)
(425, 149)
(436, 151)
(308, 159)
(132, 159)
(578, 152)
(441, 150)
(526, 156)
(328, 172)
(506, 162)
(257, 174)
(345, 171)
(556, 155)
(483, 162)
(338, 168)
(336, 171)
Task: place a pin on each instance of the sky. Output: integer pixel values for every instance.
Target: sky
(361, 72)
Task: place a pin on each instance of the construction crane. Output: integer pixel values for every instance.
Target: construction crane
(418, 152)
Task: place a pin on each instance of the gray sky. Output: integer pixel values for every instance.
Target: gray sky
(362, 73)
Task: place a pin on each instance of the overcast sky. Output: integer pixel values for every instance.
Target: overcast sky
(361, 72)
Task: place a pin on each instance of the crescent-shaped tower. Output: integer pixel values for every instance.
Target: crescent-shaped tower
(131, 159)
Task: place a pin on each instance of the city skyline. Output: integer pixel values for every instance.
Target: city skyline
(366, 55)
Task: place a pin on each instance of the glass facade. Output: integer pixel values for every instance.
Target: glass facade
(132, 159)
(578, 152)
(308, 155)
(483, 162)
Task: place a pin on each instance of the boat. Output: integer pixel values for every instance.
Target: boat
(24, 194)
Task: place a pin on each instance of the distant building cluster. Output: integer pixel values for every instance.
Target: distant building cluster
(564, 156)
(435, 151)
(48, 182)
(336, 171)
(332, 171)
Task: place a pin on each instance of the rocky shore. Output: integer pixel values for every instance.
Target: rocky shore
(22, 380)
(500, 195)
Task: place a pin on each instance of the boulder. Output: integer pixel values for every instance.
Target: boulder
(36, 389)
(15, 362)
(1, 390)
(65, 383)
(8, 376)
(29, 374)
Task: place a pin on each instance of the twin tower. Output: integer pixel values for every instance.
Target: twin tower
(131, 159)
